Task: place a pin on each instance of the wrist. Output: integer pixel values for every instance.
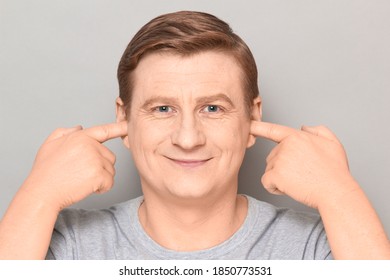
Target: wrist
(27, 226)
(35, 194)
(339, 192)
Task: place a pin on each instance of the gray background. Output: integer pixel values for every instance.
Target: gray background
(320, 62)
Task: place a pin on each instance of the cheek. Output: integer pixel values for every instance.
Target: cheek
(229, 133)
(146, 135)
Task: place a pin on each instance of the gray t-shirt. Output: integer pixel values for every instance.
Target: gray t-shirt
(116, 233)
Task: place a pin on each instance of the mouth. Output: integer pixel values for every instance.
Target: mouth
(189, 163)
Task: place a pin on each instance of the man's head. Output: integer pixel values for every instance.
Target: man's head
(188, 90)
(187, 33)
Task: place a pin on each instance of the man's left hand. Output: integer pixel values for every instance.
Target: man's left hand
(309, 165)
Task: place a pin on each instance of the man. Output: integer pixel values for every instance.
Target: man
(188, 109)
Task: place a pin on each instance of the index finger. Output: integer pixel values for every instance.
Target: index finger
(105, 132)
(271, 131)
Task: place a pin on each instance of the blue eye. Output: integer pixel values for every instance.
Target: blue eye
(164, 109)
(212, 108)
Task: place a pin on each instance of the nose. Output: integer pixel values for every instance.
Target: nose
(188, 134)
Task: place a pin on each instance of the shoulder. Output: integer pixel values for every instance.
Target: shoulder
(286, 233)
(81, 233)
(89, 218)
(282, 216)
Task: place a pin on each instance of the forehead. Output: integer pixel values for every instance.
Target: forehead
(172, 74)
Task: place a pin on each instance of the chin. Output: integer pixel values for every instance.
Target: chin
(189, 192)
(188, 188)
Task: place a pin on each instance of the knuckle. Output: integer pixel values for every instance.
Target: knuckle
(105, 132)
(59, 130)
(57, 133)
(105, 184)
(94, 166)
(269, 183)
(296, 139)
(83, 149)
(271, 131)
(268, 159)
(323, 127)
(114, 158)
(264, 180)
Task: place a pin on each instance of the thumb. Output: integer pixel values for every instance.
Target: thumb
(60, 132)
(321, 131)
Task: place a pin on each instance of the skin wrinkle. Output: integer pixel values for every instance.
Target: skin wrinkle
(207, 99)
(139, 80)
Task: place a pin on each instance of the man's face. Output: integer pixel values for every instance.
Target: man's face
(188, 127)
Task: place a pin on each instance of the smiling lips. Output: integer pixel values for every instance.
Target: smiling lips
(190, 163)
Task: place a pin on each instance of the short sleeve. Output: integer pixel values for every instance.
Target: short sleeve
(62, 241)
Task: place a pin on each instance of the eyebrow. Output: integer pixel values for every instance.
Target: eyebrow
(213, 98)
(159, 99)
(200, 100)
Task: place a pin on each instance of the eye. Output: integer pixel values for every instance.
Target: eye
(163, 109)
(212, 109)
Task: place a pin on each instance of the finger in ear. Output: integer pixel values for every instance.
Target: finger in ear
(120, 110)
(256, 113)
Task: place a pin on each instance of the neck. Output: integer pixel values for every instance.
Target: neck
(193, 224)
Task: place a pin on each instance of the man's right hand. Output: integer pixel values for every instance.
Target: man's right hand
(73, 163)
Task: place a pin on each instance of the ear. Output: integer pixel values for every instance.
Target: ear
(121, 116)
(256, 115)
